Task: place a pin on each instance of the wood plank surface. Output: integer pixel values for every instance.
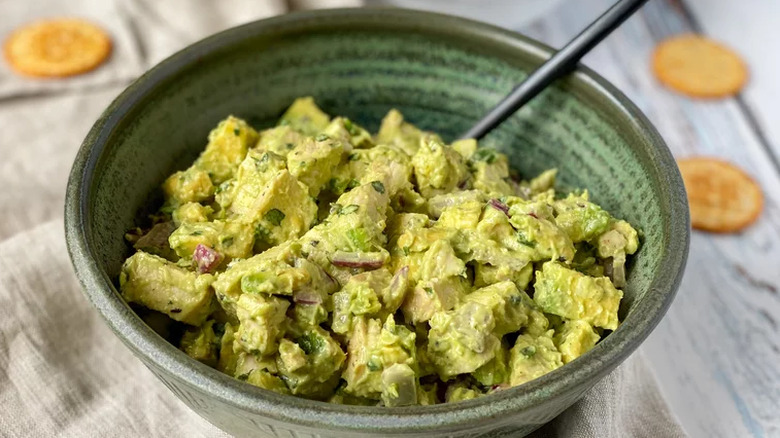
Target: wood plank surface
(716, 354)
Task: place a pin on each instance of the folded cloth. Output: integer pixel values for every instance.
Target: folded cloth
(62, 372)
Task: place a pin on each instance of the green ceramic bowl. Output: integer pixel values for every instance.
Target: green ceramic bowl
(443, 73)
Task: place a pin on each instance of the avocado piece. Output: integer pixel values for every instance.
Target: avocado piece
(261, 319)
(461, 216)
(305, 116)
(427, 394)
(573, 295)
(437, 168)
(465, 147)
(496, 371)
(511, 308)
(279, 140)
(542, 184)
(201, 344)
(227, 147)
(311, 364)
(437, 204)
(349, 133)
(191, 212)
(403, 135)
(360, 296)
(541, 238)
(264, 379)
(490, 173)
(191, 185)
(228, 358)
(580, 219)
(460, 391)
(462, 340)
(574, 338)
(160, 285)
(485, 275)
(532, 357)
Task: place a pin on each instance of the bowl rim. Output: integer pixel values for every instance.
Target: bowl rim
(166, 358)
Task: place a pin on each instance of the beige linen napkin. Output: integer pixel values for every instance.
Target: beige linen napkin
(62, 372)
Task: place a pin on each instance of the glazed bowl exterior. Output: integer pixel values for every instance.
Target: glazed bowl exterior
(443, 73)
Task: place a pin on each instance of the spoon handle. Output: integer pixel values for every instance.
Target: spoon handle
(562, 62)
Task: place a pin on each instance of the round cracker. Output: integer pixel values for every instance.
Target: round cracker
(57, 48)
(722, 198)
(699, 67)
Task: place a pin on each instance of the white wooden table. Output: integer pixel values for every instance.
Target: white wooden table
(717, 352)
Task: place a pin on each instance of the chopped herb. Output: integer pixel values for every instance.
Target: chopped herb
(485, 154)
(222, 187)
(237, 131)
(310, 343)
(314, 242)
(335, 208)
(351, 208)
(175, 310)
(405, 250)
(353, 157)
(196, 233)
(360, 239)
(322, 137)
(243, 377)
(226, 241)
(524, 240)
(351, 128)
(352, 184)
(528, 351)
(373, 365)
(516, 299)
(289, 145)
(305, 254)
(378, 186)
(274, 216)
(428, 290)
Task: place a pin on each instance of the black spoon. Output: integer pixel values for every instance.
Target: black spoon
(561, 63)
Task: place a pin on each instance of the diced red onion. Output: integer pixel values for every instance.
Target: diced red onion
(307, 296)
(206, 258)
(499, 387)
(399, 279)
(498, 205)
(365, 260)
